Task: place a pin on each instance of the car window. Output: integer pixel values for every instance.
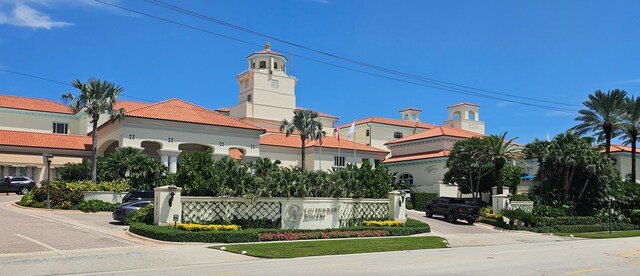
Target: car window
(456, 201)
(141, 204)
(19, 179)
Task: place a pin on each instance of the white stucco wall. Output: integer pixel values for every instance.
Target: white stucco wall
(26, 120)
(427, 174)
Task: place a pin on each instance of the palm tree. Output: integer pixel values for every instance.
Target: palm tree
(602, 116)
(96, 97)
(307, 125)
(499, 151)
(537, 149)
(630, 129)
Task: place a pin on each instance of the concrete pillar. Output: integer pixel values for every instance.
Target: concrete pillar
(499, 202)
(397, 206)
(165, 160)
(173, 164)
(163, 213)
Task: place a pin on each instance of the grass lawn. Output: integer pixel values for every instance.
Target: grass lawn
(603, 235)
(334, 247)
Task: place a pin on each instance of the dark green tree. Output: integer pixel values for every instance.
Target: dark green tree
(306, 124)
(468, 169)
(630, 129)
(95, 98)
(500, 151)
(602, 116)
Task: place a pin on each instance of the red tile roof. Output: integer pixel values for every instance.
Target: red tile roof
(267, 52)
(417, 156)
(411, 108)
(44, 140)
(223, 109)
(128, 105)
(463, 103)
(181, 111)
(235, 153)
(618, 148)
(435, 132)
(319, 113)
(15, 102)
(387, 121)
(293, 141)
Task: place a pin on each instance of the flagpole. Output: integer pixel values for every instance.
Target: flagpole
(354, 146)
(338, 134)
(320, 154)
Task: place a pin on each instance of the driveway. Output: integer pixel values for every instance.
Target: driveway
(461, 234)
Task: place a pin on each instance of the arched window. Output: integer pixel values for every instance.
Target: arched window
(414, 117)
(406, 117)
(407, 178)
(472, 116)
(456, 116)
(263, 64)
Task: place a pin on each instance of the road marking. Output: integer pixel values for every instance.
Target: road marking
(581, 271)
(622, 254)
(37, 242)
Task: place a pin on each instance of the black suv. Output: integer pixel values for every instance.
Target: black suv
(17, 184)
(143, 195)
(453, 209)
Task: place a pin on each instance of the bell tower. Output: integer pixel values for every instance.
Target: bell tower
(267, 93)
(465, 116)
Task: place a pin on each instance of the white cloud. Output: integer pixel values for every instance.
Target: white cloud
(25, 16)
(503, 104)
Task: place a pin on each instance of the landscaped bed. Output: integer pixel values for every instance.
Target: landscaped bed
(603, 235)
(170, 233)
(334, 247)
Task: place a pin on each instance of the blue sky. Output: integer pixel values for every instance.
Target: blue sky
(557, 51)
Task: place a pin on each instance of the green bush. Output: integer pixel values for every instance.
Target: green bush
(584, 228)
(520, 197)
(634, 216)
(419, 200)
(143, 215)
(551, 221)
(95, 205)
(549, 211)
(57, 195)
(520, 215)
(167, 233)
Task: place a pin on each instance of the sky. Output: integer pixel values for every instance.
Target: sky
(528, 64)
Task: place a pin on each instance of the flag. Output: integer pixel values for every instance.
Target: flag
(352, 130)
(338, 130)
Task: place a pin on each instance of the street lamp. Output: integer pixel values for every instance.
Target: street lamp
(47, 158)
(172, 192)
(609, 203)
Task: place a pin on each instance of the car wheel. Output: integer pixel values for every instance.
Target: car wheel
(428, 213)
(23, 191)
(471, 221)
(452, 217)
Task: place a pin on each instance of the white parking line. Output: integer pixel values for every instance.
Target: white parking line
(38, 242)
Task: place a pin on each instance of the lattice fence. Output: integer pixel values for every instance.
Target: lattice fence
(526, 206)
(353, 213)
(211, 211)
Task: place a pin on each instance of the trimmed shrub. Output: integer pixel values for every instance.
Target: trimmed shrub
(381, 223)
(549, 211)
(520, 197)
(550, 221)
(584, 228)
(520, 215)
(209, 227)
(419, 200)
(167, 233)
(94, 205)
(143, 215)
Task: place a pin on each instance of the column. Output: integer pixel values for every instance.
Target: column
(165, 160)
(173, 164)
(169, 158)
(397, 206)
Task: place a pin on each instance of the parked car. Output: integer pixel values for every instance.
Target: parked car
(453, 209)
(526, 176)
(17, 184)
(121, 212)
(142, 195)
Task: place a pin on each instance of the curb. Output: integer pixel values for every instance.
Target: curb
(134, 235)
(57, 210)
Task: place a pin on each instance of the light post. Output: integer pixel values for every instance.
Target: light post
(609, 203)
(48, 157)
(172, 193)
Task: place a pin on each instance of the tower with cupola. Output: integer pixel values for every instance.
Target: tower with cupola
(465, 116)
(267, 93)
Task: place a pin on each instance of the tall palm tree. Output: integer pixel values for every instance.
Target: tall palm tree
(307, 125)
(499, 152)
(630, 129)
(602, 116)
(95, 97)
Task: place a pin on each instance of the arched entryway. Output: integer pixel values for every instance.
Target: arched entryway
(108, 148)
(151, 148)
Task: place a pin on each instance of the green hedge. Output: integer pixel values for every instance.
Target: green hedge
(95, 205)
(520, 197)
(584, 228)
(550, 221)
(419, 200)
(167, 233)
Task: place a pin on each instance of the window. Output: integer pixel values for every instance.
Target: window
(132, 136)
(283, 70)
(397, 135)
(249, 98)
(472, 116)
(406, 117)
(221, 144)
(170, 140)
(338, 161)
(263, 64)
(253, 65)
(61, 128)
(407, 178)
(377, 162)
(367, 133)
(275, 84)
(275, 65)
(253, 146)
(413, 117)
